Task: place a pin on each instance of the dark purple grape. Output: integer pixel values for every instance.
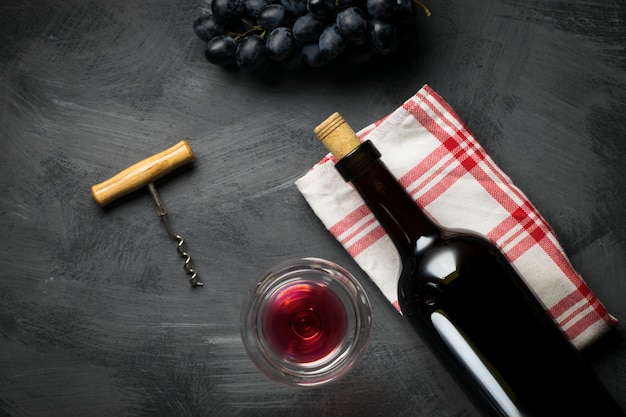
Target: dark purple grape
(294, 8)
(352, 23)
(252, 8)
(383, 37)
(294, 60)
(307, 28)
(405, 12)
(312, 56)
(279, 43)
(221, 51)
(206, 28)
(405, 18)
(251, 54)
(322, 9)
(381, 9)
(273, 16)
(331, 43)
(226, 11)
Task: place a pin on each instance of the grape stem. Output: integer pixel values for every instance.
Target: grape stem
(253, 28)
(423, 6)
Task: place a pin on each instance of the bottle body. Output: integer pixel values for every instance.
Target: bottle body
(475, 312)
(473, 309)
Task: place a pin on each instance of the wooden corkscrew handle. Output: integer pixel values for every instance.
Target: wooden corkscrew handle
(142, 173)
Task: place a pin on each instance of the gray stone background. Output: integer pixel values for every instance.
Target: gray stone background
(96, 316)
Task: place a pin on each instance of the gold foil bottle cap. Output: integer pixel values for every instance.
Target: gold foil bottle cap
(337, 136)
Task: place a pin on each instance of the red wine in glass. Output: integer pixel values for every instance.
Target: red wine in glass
(304, 321)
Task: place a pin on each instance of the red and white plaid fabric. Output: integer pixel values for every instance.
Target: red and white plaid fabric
(435, 157)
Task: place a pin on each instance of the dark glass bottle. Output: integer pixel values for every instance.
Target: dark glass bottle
(469, 304)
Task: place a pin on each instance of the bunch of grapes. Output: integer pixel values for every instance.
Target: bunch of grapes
(252, 34)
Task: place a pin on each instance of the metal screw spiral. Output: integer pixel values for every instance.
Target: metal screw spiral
(193, 280)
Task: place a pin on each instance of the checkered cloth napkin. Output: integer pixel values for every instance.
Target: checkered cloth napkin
(435, 157)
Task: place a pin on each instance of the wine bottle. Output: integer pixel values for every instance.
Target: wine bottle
(469, 304)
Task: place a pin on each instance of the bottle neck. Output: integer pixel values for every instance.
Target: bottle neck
(407, 225)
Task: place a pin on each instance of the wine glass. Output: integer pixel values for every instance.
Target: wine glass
(306, 323)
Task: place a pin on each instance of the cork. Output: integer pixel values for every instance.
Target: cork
(337, 136)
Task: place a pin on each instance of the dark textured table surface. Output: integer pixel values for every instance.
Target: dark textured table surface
(96, 315)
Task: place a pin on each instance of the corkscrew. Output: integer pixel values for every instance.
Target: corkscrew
(144, 173)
